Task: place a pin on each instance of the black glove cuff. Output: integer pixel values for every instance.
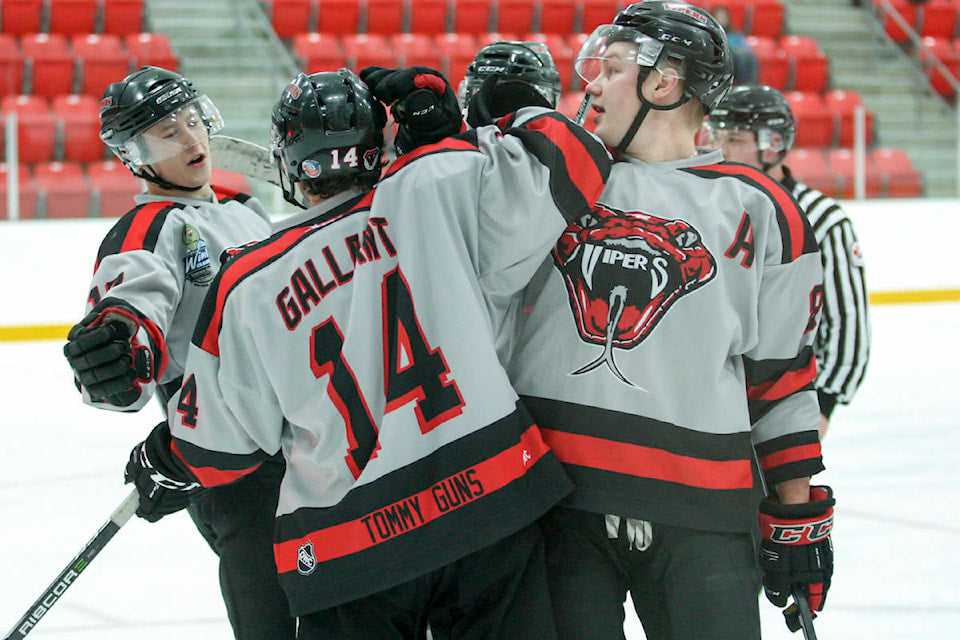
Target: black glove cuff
(496, 98)
(161, 457)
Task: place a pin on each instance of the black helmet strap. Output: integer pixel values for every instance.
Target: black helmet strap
(644, 110)
(154, 177)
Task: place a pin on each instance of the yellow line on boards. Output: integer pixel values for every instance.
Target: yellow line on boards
(59, 331)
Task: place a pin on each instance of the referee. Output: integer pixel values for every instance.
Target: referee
(754, 125)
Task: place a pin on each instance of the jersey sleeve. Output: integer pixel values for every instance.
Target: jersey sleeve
(226, 420)
(781, 367)
(135, 266)
(843, 341)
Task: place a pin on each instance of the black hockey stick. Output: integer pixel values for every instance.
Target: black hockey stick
(798, 616)
(247, 158)
(76, 566)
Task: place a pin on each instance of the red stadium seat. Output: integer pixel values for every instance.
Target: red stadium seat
(27, 191)
(843, 163)
(808, 63)
(843, 106)
(562, 55)
(515, 15)
(937, 18)
(50, 62)
(900, 178)
(815, 125)
(385, 16)
(153, 49)
(365, 49)
(596, 12)
(557, 16)
(471, 16)
(416, 49)
(101, 59)
(319, 52)
(21, 16)
(11, 65)
(290, 17)
(428, 16)
(64, 189)
(36, 136)
(72, 16)
(122, 17)
(766, 18)
(231, 180)
(942, 50)
(457, 51)
(78, 117)
(772, 62)
(906, 9)
(113, 186)
(338, 16)
(810, 167)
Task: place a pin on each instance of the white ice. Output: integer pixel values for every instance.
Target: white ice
(893, 458)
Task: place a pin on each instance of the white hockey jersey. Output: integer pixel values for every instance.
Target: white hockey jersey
(360, 343)
(672, 334)
(160, 258)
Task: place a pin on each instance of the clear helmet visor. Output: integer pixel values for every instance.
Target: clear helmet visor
(612, 46)
(189, 125)
(716, 134)
(469, 88)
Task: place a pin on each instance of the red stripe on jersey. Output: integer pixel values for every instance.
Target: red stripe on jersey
(356, 535)
(210, 476)
(793, 454)
(224, 193)
(137, 233)
(582, 167)
(447, 144)
(789, 382)
(647, 462)
(792, 214)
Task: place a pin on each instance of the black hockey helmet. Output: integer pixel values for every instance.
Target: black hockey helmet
(140, 101)
(328, 124)
(760, 109)
(529, 62)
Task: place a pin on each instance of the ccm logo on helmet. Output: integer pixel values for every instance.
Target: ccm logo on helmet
(669, 37)
(687, 11)
(169, 94)
(802, 533)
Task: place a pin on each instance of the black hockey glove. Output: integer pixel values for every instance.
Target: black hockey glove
(106, 356)
(497, 97)
(796, 551)
(421, 102)
(164, 486)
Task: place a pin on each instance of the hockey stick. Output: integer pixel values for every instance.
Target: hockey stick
(798, 616)
(247, 158)
(584, 108)
(76, 566)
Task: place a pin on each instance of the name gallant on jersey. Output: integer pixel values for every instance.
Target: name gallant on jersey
(310, 283)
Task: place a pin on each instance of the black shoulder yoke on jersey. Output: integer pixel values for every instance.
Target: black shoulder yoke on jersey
(138, 229)
(226, 194)
(795, 232)
(254, 258)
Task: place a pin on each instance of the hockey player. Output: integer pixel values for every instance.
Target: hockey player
(152, 272)
(666, 349)
(517, 66)
(361, 343)
(754, 125)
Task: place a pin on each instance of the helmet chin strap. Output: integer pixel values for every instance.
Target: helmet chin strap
(644, 110)
(155, 178)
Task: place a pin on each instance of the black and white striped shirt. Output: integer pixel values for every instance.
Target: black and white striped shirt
(843, 341)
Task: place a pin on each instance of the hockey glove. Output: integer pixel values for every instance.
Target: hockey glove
(106, 356)
(796, 551)
(421, 102)
(497, 97)
(164, 485)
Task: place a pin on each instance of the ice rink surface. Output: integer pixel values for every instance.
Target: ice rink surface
(893, 458)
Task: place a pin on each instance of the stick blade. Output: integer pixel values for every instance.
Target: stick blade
(244, 157)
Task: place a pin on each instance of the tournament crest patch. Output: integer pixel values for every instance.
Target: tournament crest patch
(196, 260)
(306, 561)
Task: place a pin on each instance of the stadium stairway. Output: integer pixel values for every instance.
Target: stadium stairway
(908, 114)
(228, 48)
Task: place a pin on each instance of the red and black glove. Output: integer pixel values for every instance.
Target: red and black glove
(106, 355)
(421, 102)
(796, 551)
(500, 95)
